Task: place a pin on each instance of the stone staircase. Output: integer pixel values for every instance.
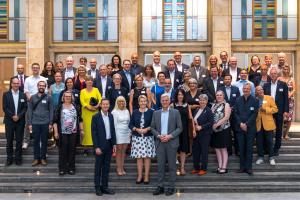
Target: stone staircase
(284, 177)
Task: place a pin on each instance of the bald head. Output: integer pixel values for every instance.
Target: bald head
(134, 58)
(93, 63)
(281, 58)
(233, 62)
(20, 69)
(156, 57)
(69, 61)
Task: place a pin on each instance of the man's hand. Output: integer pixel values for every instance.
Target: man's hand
(198, 128)
(15, 118)
(285, 115)
(98, 151)
(194, 134)
(50, 127)
(243, 127)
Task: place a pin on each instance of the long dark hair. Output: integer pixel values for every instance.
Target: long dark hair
(176, 96)
(45, 72)
(66, 88)
(150, 67)
(113, 64)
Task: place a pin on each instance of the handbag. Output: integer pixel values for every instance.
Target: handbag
(94, 101)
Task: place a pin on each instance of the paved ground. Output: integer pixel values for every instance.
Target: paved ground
(188, 196)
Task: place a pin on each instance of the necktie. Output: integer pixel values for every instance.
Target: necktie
(22, 82)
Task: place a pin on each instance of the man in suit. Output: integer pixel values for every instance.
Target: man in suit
(69, 71)
(127, 76)
(231, 93)
(265, 125)
(93, 71)
(166, 126)
(211, 84)
(233, 70)
(198, 72)
(245, 112)
(136, 68)
(103, 82)
(279, 91)
(14, 108)
(104, 140)
(173, 74)
(157, 66)
(224, 58)
(179, 65)
(21, 76)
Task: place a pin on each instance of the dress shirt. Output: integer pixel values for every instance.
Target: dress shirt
(128, 76)
(93, 73)
(233, 73)
(164, 121)
(30, 85)
(273, 89)
(240, 85)
(169, 93)
(16, 100)
(179, 67)
(172, 77)
(106, 124)
(224, 65)
(103, 82)
(197, 71)
(69, 73)
(215, 82)
(157, 68)
(228, 91)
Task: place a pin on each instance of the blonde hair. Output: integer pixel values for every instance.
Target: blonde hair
(120, 98)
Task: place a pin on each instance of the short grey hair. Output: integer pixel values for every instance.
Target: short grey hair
(246, 84)
(192, 80)
(203, 96)
(164, 95)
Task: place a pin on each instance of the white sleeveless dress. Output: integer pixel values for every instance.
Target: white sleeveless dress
(121, 121)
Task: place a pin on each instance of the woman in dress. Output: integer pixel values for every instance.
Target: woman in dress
(116, 64)
(79, 78)
(157, 90)
(186, 79)
(116, 91)
(254, 70)
(90, 99)
(221, 129)
(142, 145)
(56, 88)
(67, 125)
(149, 76)
(186, 114)
(139, 90)
(48, 72)
(69, 86)
(192, 96)
(121, 121)
(288, 79)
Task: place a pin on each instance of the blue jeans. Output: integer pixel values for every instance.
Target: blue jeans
(40, 138)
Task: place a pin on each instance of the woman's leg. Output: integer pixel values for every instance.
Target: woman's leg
(182, 163)
(147, 164)
(139, 163)
(224, 155)
(287, 129)
(124, 148)
(119, 159)
(219, 158)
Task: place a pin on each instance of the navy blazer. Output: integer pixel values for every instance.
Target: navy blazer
(208, 88)
(98, 84)
(185, 67)
(21, 87)
(135, 121)
(245, 111)
(281, 97)
(234, 94)
(125, 83)
(205, 120)
(99, 133)
(9, 106)
(258, 79)
(136, 69)
(89, 72)
(227, 71)
(177, 78)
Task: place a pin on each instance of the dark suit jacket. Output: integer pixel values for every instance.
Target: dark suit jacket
(205, 120)
(9, 107)
(98, 84)
(281, 97)
(227, 71)
(209, 89)
(63, 73)
(234, 94)
(185, 67)
(258, 79)
(89, 72)
(136, 69)
(125, 83)
(17, 76)
(177, 78)
(98, 131)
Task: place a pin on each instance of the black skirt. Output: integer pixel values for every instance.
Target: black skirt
(220, 139)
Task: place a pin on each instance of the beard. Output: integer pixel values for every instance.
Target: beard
(41, 90)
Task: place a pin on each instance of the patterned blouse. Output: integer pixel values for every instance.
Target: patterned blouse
(219, 113)
(68, 120)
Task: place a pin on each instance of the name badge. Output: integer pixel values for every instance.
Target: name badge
(76, 95)
(143, 92)
(128, 94)
(177, 80)
(22, 100)
(258, 71)
(234, 95)
(251, 108)
(203, 75)
(109, 87)
(280, 89)
(264, 101)
(44, 101)
(119, 92)
(196, 99)
(221, 82)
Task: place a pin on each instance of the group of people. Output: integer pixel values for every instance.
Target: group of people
(157, 111)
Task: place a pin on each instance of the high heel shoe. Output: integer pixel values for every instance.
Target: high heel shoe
(139, 181)
(146, 182)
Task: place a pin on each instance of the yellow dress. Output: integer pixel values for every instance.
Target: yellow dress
(87, 115)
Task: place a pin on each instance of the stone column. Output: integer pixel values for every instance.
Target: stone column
(221, 26)
(37, 42)
(128, 27)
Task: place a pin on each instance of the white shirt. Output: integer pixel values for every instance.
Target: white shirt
(215, 82)
(69, 73)
(157, 68)
(16, 100)
(228, 91)
(106, 124)
(179, 66)
(273, 89)
(103, 82)
(172, 77)
(233, 73)
(93, 73)
(30, 85)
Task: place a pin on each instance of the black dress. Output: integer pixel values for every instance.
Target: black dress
(193, 100)
(114, 93)
(184, 144)
(136, 93)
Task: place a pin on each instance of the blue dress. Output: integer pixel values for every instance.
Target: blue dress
(157, 91)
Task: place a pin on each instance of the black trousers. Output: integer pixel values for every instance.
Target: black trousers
(246, 140)
(264, 140)
(279, 123)
(14, 130)
(102, 166)
(67, 151)
(200, 151)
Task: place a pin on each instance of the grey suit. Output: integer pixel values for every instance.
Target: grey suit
(166, 151)
(203, 73)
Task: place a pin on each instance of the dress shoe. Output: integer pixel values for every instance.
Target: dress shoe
(8, 163)
(170, 192)
(35, 163)
(71, 172)
(108, 191)
(241, 171)
(202, 172)
(158, 191)
(61, 173)
(99, 192)
(249, 172)
(18, 162)
(146, 182)
(275, 154)
(194, 171)
(44, 162)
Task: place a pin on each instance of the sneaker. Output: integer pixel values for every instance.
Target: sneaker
(272, 162)
(259, 161)
(25, 145)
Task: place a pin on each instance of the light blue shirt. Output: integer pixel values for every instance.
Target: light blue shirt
(240, 85)
(228, 91)
(164, 121)
(128, 76)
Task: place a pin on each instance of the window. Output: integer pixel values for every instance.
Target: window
(264, 19)
(174, 20)
(12, 21)
(85, 20)
(100, 58)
